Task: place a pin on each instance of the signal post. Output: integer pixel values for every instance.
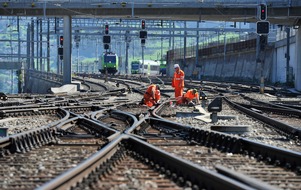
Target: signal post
(143, 36)
(262, 29)
(106, 45)
(60, 53)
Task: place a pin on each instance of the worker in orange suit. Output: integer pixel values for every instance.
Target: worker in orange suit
(178, 83)
(190, 95)
(152, 95)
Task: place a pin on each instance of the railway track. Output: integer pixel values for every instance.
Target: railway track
(234, 120)
(182, 157)
(210, 149)
(35, 157)
(125, 145)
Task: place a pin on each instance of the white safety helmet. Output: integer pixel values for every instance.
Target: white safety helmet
(176, 66)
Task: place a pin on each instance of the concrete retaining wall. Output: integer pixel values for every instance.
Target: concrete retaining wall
(240, 66)
(243, 66)
(39, 86)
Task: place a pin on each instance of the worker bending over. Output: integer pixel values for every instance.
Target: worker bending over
(152, 95)
(190, 95)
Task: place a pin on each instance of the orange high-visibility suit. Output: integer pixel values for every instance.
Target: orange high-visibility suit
(178, 83)
(152, 95)
(189, 96)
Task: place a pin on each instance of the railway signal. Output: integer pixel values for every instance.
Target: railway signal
(60, 52)
(61, 40)
(263, 27)
(143, 24)
(106, 39)
(106, 29)
(106, 46)
(143, 34)
(262, 13)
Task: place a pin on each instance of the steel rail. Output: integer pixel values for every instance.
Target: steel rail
(27, 111)
(95, 128)
(31, 139)
(125, 116)
(282, 127)
(176, 168)
(291, 110)
(227, 143)
(279, 110)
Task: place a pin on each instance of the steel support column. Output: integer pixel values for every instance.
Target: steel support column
(287, 55)
(185, 44)
(48, 45)
(32, 45)
(298, 61)
(67, 50)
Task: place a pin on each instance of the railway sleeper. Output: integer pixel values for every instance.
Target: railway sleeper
(290, 131)
(182, 172)
(226, 143)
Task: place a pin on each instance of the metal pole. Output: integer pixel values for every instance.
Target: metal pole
(28, 62)
(59, 61)
(78, 59)
(106, 77)
(67, 78)
(20, 90)
(12, 84)
(42, 67)
(32, 45)
(95, 62)
(185, 41)
(261, 77)
(225, 46)
(261, 61)
(38, 45)
(161, 48)
(287, 55)
(197, 50)
(127, 58)
(19, 40)
(127, 41)
(142, 58)
(48, 45)
(225, 51)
